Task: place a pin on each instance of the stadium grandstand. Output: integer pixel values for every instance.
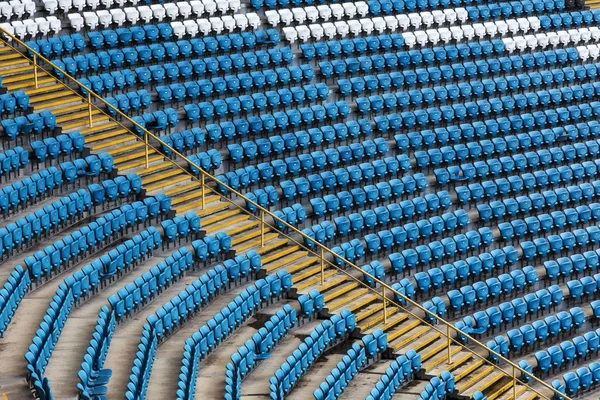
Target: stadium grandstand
(299, 199)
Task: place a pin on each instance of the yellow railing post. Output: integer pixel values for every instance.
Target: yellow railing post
(322, 266)
(514, 382)
(262, 228)
(89, 99)
(35, 71)
(203, 189)
(449, 362)
(146, 151)
(384, 305)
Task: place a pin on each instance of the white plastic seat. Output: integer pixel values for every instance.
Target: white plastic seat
(178, 29)
(91, 20)
(595, 32)
(534, 23)
(290, 34)
(105, 18)
(18, 9)
(79, 5)
(513, 26)
(228, 22)
(30, 7)
(197, 7)
(235, 5)
(564, 37)
(6, 10)
(210, 7)
(329, 30)
(303, 32)
(342, 28)
(106, 3)
(594, 51)
(253, 20)
(316, 31)
(203, 26)
(367, 25)
(490, 28)
(553, 38)
(222, 6)
(379, 24)
(217, 24)
(272, 17)
(457, 33)
(185, 9)
(532, 41)
(421, 37)
(133, 15)
(286, 16)
(409, 39)
(433, 35)
(523, 24)
(438, 17)
(355, 27)
(445, 35)
(324, 12)
(337, 11)
(479, 30)
(241, 21)
(586, 35)
(8, 28)
(584, 53)
(502, 27)
(55, 24)
(171, 10)
(461, 15)
(76, 21)
(19, 29)
(542, 40)
(299, 15)
(193, 27)
(118, 16)
(574, 35)
(39, 25)
(158, 11)
(93, 4)
(403, 21)
(49, 5)
(415, 20)
(362, 8)
(509, 44)
(145, 14)
(391, 23)
(312, 14)
(520, 43)
(427, 18)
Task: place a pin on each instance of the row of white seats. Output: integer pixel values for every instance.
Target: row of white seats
(215, 24)
(183, 8)
(349, 10)
(311, 13)
(17, 8)
(571, 37)
(590, 51)
(33, 27)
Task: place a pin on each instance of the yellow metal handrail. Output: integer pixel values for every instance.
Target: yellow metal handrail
(323, 249)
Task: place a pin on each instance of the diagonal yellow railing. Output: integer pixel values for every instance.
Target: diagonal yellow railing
(318, 250)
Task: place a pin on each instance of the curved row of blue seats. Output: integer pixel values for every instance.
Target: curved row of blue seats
(575, 263)
(244, 359)
(567, 352)
(296, 214)
(11, 294)
(492, 288)
(331, 111)
(507, 312)
(122, 257)
(209, 336)
(400, 372)
(313, 302)
(68, 293)
(53, 147)
(92, 377)
(13, 159)
(246, 104)
(25, 125)
(131, 100)
(499, 146)
(581, 380)
(542, 246)
(585, 286)
(319, 159)
(352, 362)
(519, 163)
(212, 246)
(556, 220)
(94, 234)
(289, 142)
(439, 387)
(206, 160)
(188, 139)
(181, 226)
(105, 61)
(150, 34)
(326, 334)
(526, 336)
(11, 102)
(33, 188)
